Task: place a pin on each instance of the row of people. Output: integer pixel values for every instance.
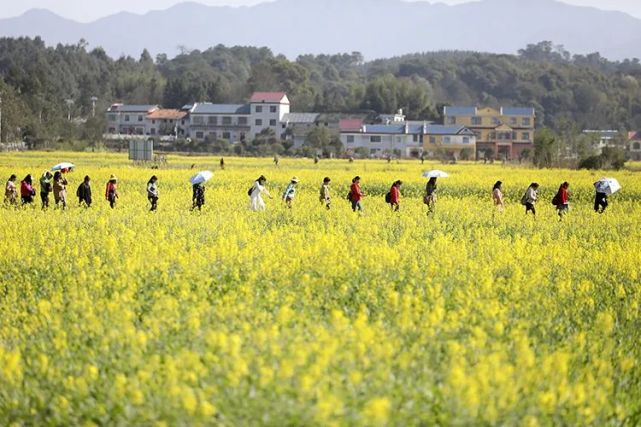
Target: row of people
(57, 184)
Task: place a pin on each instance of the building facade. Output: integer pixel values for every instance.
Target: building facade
(634, 145)
(402, 140)
(449, 142)
(219, 121)
(504, 133)
(129, 119)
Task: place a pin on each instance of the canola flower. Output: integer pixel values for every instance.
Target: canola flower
(314, 317)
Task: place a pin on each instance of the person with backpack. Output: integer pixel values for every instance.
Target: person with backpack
(325, 198)
(529, 198)
(561, 200)
(356, 194)
(290, 192)
(60, 189)
(27, 192)
(111, 191)
(497, 196)
(198, 196)
(152, 192)
(430, 195)
(256, 202)
(84, 192)
(11, 191)
(393, 197)
(45, 188)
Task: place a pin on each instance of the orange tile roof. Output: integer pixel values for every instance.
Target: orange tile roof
(161, 114)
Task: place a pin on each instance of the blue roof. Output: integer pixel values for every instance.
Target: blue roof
(393, 129)
(517, 111)
(459, 111)
(448, 130)
(207, 108)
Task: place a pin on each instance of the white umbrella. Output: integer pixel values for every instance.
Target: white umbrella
(435, 174)
(63, 165)
(201, 177)
(607, 185)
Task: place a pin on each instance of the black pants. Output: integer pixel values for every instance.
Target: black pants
(154, 203)
(530, 207)
(45, 200)
(600, 201)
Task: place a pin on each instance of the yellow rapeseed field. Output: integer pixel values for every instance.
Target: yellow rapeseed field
(313, 317)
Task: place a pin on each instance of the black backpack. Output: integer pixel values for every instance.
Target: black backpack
(249, 192)
(388, 197)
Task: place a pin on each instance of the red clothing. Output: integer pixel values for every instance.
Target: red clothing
(357, 194)
(395, 195)
(111, 189)
(563, 196)
(26, 190)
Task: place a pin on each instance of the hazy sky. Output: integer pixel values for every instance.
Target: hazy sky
(87, 10)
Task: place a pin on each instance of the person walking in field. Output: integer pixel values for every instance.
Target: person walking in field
(356, 194)
(84, 192)
(562, 200)
(111, 192)
(290, 192)
(497, 196)
(152, 192)
(430, 195)
(198, 196)
(45, 188)
(27, 192)
(60, 189)
(276, 161)
(395, 196)
(222, 163)
(325, 197)
(530, 197)
(600, 201)
(256, 202)
(11, 191)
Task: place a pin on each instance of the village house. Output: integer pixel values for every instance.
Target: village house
(129, 119)
(448, 142)
(504, 133)
(634, 145)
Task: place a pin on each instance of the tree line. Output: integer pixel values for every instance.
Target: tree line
(42, 87)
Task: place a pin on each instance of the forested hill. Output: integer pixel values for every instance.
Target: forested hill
(582, 91)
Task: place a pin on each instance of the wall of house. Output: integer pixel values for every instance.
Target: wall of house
(267, 116)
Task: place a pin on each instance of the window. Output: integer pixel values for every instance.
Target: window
(447, 140)
(272, 122)
(495, 121)
(226, 120)
(526, 136)
(259, 122)
(415, 138)
(466, 140)
(476, 121)
(451, 120)
(432, 140)
(197, 120)
(126, 118)
(526, 121)
(513, 121)
(200, 135)
(636, 146)
(112, 117)
(273, 109)
(242, 136)
(375, 138)
(153, 122)
(492, 135)
(226, 135)
(350, 139)
(153, 131)
(259, 109)
(242, 121)
(212, 120)
(140, 118)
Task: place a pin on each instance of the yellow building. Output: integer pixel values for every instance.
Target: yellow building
(503, 134)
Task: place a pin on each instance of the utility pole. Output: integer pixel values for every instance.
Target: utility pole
(93, 106)
(69, 104)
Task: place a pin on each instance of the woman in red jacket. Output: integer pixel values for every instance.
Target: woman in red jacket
(563, 200)
(356, 194)
(111, 192)
(395, 195)
(26, 190)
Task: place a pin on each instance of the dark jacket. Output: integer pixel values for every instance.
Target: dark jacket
(84, 193)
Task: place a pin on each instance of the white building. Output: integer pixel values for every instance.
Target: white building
(219, 121)
(603, 138)
(267, 110)
(405, 140)
(129, 119)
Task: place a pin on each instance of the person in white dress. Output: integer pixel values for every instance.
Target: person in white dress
(256, 202)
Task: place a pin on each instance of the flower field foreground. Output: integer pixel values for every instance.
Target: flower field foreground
(314, 317)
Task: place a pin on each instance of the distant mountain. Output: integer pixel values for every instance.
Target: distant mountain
(377, 28)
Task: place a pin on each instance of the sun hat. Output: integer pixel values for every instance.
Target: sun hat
(113, 178)
(295, 179)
